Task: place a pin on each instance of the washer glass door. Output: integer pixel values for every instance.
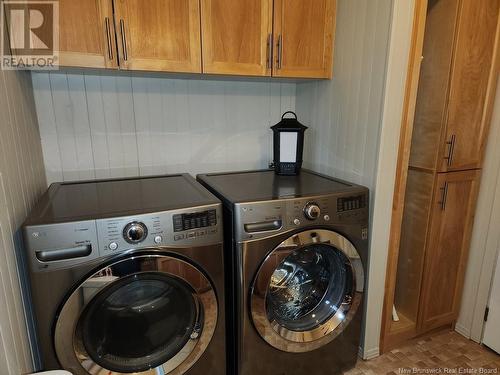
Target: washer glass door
(307, 290)
(138, 314)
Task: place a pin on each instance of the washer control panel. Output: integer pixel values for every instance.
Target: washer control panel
(261, 219)
(193, 227)
(63, 245)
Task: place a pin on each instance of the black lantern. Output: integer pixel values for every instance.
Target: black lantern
(288, 145)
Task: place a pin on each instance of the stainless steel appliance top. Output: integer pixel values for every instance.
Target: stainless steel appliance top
(89, 200)
(265, 185)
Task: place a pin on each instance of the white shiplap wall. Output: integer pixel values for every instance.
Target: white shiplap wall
(345, 114)
(345, 119)
(99, 126)
(22, 180)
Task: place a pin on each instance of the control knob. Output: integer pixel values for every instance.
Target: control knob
(312, 211)
(135, 232)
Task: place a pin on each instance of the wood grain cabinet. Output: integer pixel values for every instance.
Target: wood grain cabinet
(244, 38)
(159, 35)
(280, 38)
(473, 75)
(237, 36)
(86, 33)
(304, 34)
(450, 228)
(459, 72)
(439, 165)
(86, 37)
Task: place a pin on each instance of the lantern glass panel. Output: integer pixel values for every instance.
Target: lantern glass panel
(288, 147)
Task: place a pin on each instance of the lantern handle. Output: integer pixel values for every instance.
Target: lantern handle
(287, 112)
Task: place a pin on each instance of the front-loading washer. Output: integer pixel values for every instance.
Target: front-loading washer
(298, 247)
(127, 277)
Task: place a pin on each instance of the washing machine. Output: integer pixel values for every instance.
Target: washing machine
(298, 248)
(127, 277)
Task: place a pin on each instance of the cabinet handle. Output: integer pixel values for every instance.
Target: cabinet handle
(108, 37)
(279, 47)
(444, 196)
(451, 149)
(124, 40)
(269, 61)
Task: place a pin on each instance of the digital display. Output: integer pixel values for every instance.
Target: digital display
(195, 220)
(351, 203)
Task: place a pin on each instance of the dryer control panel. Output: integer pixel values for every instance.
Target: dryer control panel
(262, 219)
(63, 245)
(193, 227)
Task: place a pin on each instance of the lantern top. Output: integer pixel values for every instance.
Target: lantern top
(289, 123)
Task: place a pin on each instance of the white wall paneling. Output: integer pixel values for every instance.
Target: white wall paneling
(345, 114)
(485, 240)
(100, 126)
(346, 117)
(22, 179)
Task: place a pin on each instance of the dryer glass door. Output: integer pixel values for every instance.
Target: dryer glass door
(141, 313)
(307, 290)
(139, 321)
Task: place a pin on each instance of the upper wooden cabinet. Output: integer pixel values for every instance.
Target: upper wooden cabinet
(281, 38)
(243, 37)
(448, 246)
(237, 36)
(159, 35)
(86, 33)
(303, 35)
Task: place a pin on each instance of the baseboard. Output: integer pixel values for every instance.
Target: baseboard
(464, 331)
(369, 354)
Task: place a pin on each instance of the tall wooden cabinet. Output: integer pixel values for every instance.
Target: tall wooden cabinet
(456, 87)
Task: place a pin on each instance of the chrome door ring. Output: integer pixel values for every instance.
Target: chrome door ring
(68, 343)
(303, 341)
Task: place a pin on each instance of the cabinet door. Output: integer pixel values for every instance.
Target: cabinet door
(159, 35)
(432, 97)
(472, 85)
(303, 36)
(447, 247)
(237, 36)
(86, 34)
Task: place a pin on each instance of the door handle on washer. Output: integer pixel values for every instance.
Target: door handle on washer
(63, 254)
(263, 226)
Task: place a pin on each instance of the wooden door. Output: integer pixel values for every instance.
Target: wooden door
(447, 247)
(472, 85)
(159, 35)
(237, 36)
(303, 36)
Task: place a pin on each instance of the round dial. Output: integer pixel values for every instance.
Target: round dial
(312, 211)
(135, 232)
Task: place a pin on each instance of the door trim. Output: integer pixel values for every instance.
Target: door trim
(304, 341)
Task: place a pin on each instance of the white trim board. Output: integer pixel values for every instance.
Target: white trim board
(397, 69)
(485, 238)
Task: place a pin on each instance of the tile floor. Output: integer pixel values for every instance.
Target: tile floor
(443, 353)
